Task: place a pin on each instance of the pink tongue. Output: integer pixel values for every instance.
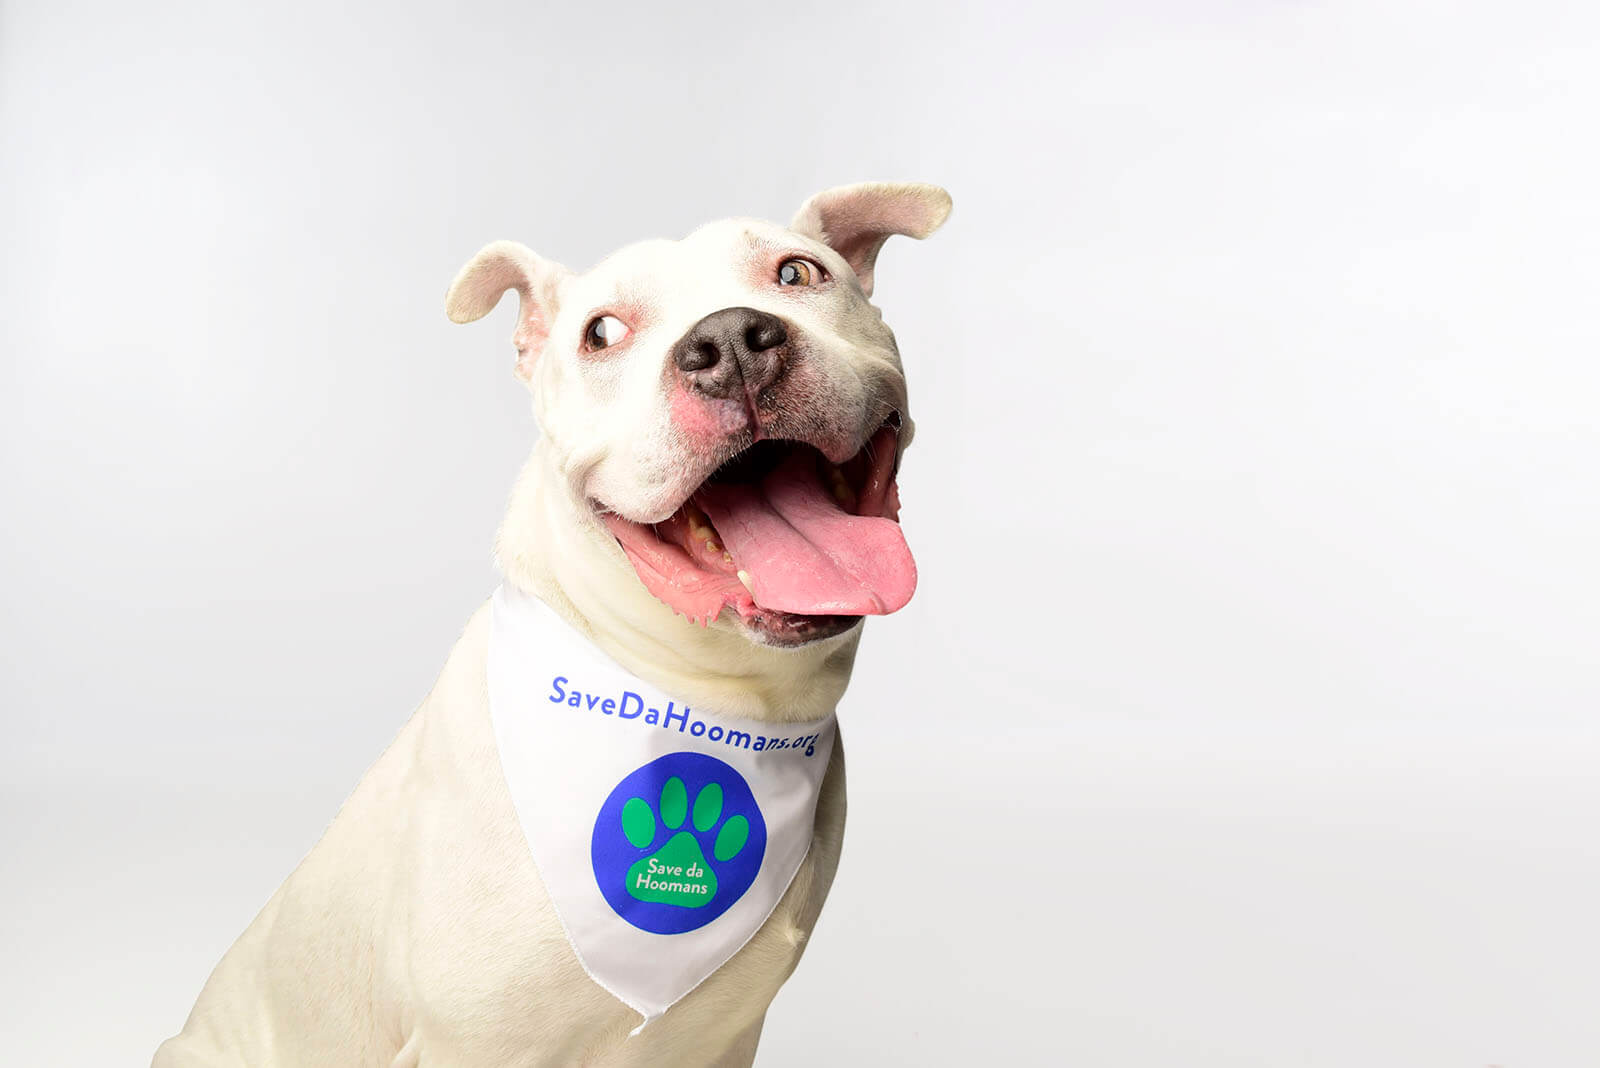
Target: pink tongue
(806, 554)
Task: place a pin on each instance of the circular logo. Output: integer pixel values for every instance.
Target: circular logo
(677, 843)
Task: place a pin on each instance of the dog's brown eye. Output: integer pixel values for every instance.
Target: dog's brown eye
(798, 272)
(603, 331)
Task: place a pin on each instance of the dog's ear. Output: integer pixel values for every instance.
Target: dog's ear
(483, 281)
(855, 220)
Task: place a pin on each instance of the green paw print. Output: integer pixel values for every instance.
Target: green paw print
(677, 873)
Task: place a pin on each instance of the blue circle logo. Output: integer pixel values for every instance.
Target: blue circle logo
(677, 843)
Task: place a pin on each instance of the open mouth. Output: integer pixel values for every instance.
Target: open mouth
(799, 547)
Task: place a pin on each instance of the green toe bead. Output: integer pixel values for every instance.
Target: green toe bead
(731, 839)
(674, 802)
(707, 807)
(637, 822)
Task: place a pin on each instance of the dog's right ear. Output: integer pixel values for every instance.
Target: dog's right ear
(855, 220)
(507, 265)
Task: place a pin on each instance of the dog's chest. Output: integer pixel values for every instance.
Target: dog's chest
(494, 968)
(490, 976)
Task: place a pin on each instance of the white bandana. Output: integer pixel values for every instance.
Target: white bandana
(664, 835)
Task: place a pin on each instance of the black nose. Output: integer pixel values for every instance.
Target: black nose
(731, 347)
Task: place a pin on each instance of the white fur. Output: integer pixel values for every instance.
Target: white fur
(417, 932)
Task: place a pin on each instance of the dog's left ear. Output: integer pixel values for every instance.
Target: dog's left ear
(855, 220)
(484, 280)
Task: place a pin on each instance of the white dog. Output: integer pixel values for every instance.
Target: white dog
(712, 508)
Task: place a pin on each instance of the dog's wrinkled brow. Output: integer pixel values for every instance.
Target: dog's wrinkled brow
(761, 245)
(638, 291)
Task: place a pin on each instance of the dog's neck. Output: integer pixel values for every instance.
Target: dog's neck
(551, 546)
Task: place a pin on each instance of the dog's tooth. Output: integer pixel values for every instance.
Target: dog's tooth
(744, 577)
(699, 523)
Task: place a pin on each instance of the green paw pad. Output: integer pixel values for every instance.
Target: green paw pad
(678, 873)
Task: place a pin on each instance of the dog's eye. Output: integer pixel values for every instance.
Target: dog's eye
(603, 331)
(799, 272)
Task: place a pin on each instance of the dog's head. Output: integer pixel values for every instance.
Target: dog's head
(730, 406)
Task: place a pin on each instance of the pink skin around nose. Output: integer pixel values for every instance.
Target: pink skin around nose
(801, 409)
(707, 421)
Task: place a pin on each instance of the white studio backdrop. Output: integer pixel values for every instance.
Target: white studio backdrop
(1246, 712)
